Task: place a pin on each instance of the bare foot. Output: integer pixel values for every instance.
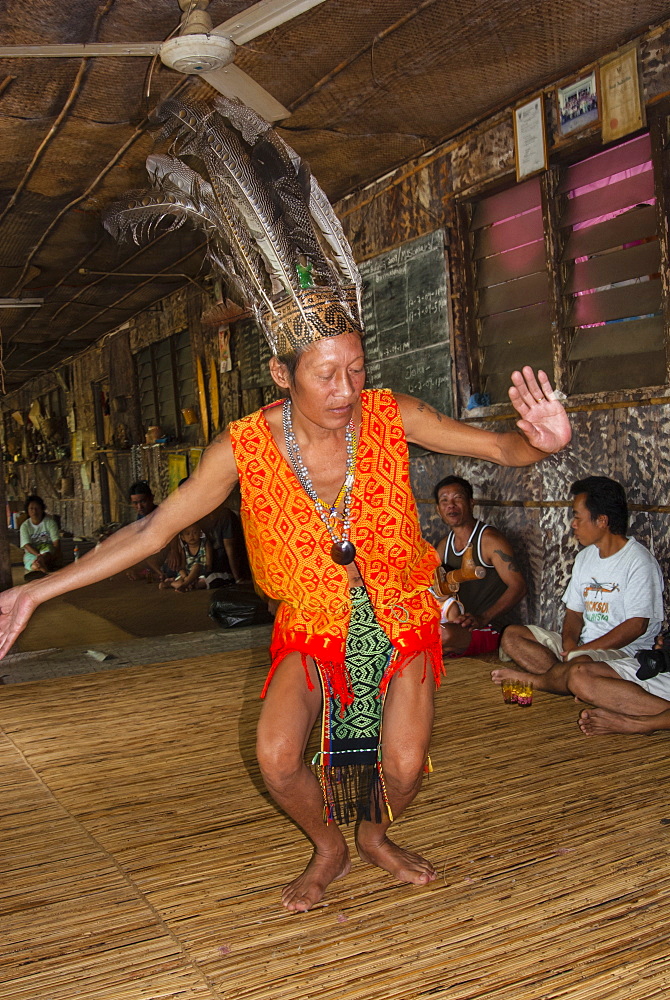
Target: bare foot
(404, 865)
(512, 674)
(309, 888)
(600, 722)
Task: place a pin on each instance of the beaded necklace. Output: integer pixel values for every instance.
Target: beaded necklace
(342, 551)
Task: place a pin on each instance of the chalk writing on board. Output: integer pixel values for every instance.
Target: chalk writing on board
(406, 318)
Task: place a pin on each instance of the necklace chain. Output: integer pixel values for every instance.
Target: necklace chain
(342, 547)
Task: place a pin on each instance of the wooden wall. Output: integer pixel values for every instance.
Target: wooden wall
(623, 440)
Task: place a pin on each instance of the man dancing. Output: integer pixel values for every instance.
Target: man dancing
(330, 521)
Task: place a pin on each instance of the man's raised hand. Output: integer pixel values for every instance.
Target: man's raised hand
(544, 422)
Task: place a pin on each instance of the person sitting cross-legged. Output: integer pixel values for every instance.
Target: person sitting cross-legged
(614, 608)
(40, 540)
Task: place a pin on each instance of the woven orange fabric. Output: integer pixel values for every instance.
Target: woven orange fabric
(289, 546)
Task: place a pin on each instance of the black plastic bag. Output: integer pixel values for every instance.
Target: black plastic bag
(652, 663)
(231, 608)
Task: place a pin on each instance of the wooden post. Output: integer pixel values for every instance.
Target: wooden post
(5, 555)
(467, 354)
(549, 184)
(658, 130)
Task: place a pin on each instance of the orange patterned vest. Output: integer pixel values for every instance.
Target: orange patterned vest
(289, 547)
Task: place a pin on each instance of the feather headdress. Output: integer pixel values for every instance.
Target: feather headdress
(270, 229)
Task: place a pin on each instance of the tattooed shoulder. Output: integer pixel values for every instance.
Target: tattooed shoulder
(507, 558)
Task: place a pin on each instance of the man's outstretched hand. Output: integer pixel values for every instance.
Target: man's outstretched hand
(16, 607)
(544, 422)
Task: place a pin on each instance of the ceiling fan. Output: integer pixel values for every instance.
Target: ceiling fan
(198, 48)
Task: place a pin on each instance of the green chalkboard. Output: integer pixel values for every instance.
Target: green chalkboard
(251, 353)
(406, 318)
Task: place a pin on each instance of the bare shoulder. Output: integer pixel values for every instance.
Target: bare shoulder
(217, 469)
(493, 539)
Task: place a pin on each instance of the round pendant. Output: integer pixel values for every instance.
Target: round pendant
(343, 553)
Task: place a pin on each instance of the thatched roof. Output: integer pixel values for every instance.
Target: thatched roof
(370, 83)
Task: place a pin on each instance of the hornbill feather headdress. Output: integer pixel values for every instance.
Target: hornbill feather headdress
(270, 228)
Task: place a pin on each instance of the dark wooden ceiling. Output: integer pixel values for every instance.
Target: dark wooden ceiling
(370, 83)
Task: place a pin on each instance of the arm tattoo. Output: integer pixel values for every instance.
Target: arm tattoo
(429, 409)
(508, 559)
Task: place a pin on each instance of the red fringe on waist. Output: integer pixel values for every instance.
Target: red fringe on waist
(407, 646)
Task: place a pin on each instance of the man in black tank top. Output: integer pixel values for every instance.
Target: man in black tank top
(486, 601)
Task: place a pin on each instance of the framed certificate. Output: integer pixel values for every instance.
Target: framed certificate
(530, 139)
(622, 107)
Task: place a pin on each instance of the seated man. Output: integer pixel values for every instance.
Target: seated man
(485, 601)
(224, 532)
(614, 607)
(141, 497)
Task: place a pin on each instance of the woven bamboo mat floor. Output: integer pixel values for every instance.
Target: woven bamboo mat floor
(144, 610)
(141, 860)
(112, 611)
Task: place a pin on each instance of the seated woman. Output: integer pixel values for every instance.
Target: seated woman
(39, 538)
(188, 565)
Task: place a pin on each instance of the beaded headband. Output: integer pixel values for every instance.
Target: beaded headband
(271, 231)
(316, 315)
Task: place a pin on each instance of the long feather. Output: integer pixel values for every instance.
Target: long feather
(331, 228)
(172, 174)
(325, 219)
(227, 161)
(231, 174)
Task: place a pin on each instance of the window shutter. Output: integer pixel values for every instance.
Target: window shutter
(611, 279)
(145, 379)
(185, 379)
(165, 387)
(511, 286)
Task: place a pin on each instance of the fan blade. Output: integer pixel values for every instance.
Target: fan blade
(262, 17)
(233, 82)
(79, 51)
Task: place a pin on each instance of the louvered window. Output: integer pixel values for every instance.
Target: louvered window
(167, 385)
(511, 286)
(611, 278)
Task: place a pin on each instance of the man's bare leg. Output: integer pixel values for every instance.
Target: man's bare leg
(521, 645)
(602, 722)
(623, 706)
(554, 680)
(288, 715)
(408, 723)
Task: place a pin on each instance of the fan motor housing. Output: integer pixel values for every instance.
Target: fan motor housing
(197, 53)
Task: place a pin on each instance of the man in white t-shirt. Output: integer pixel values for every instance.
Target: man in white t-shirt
(614, 607)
